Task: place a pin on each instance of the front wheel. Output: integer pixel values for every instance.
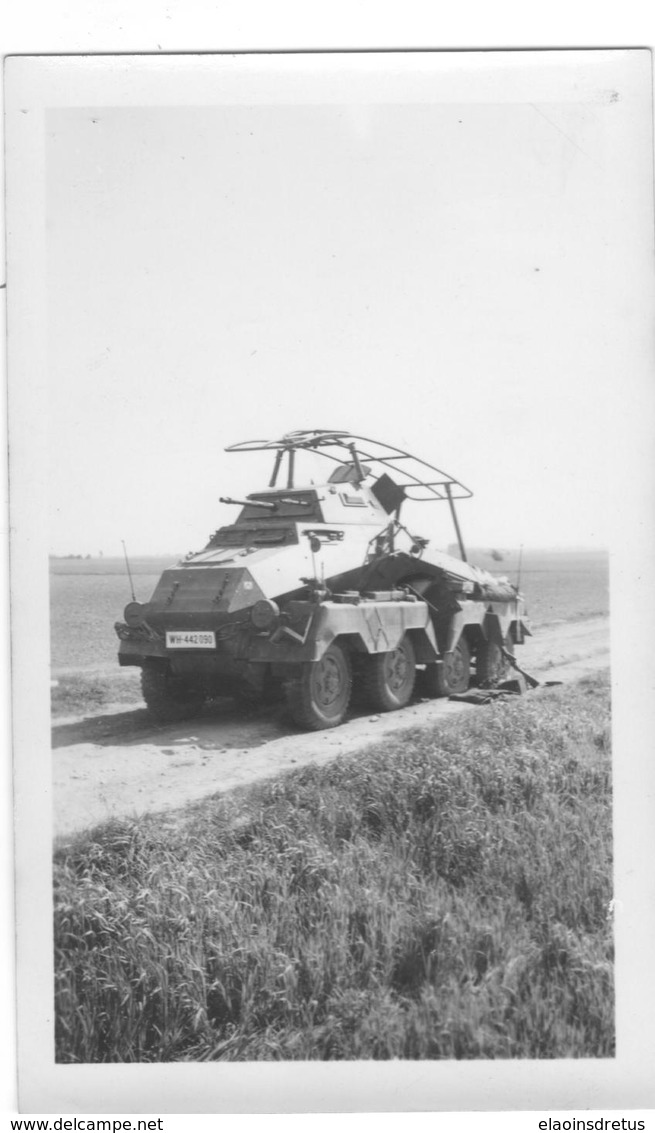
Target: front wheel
(388, 678)
(319, 695)
(169, 699)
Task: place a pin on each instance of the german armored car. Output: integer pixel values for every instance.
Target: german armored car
(318, 591)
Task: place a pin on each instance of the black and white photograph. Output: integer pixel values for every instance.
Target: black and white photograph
(331, 487)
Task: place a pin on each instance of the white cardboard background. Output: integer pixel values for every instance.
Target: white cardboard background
(587, 1080)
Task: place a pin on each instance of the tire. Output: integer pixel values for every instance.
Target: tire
(319, 696)
(427, 683)
(388, 678)
(454, 673)
(169, 698)
(491, 666)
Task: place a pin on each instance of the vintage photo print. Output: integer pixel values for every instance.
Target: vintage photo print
(331, 425)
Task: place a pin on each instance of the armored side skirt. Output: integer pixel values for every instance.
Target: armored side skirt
(367, 626)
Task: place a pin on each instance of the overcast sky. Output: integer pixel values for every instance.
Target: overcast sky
(449, 277)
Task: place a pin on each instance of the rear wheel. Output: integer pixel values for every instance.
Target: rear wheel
(491, 665)
(388, 678)
(169, 698)
(319, 696)
(454, 673)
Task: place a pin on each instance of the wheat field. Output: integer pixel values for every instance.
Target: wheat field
(444, 895)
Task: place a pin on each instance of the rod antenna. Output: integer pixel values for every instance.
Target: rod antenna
(518, 575)
(129, 572)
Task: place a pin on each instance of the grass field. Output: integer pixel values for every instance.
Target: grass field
(88, 596)
(444, 895)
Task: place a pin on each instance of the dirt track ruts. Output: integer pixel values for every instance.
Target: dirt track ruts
(117, 764)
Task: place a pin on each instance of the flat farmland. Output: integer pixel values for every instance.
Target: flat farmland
(88, 595)
(559, 586)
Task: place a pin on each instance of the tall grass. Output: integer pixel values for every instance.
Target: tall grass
(75, 694)
(442, 896)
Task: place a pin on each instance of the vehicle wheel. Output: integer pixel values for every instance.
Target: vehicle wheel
(427, 682)
(454, 673)
(388, 678)
(167, 697)
(491, 666)
(319, 696)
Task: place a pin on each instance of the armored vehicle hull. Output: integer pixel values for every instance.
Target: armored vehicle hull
(318, 590)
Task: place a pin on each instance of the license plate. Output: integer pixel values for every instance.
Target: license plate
(181, 639)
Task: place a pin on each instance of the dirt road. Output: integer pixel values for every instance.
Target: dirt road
(118, 764)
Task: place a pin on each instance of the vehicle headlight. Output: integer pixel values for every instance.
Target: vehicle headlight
(264, 613)
(134, 614)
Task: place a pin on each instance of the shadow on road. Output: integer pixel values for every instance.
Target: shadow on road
(221, 724)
